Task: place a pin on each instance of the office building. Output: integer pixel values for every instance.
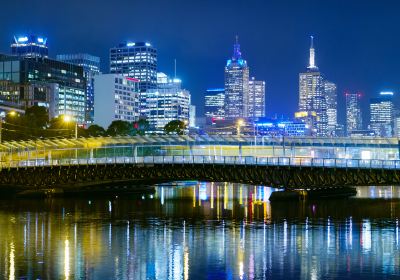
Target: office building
(353, 113)
(30, 46)
(236, 85)
(331, 107)
(192, 116)
(136, 60)
(272, 127)
(214, 102)
(116, 97)
(66, 83)
(382, 115)
(312, 97)
(91, 68)
(256, 99)
(166, 103)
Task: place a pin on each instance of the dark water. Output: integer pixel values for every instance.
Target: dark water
(202, 231)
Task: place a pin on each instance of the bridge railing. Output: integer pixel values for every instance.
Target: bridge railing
(226, 160)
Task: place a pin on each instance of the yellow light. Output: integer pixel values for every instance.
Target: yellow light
(12, 113)
(240, 122)
(67, 118)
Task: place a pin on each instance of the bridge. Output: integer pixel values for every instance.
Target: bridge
(289, 163)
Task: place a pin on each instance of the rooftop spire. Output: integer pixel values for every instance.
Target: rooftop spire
(312, 55)
(236, 49)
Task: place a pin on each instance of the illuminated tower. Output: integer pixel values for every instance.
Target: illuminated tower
(353, 112)
(312, 97)
(382, 112)
(236, 85)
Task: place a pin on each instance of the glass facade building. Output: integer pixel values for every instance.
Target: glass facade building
(331, 107)
(136, 60)
(353, 112)
(30, 46)
(167, 103)
(67, 82)
(214, 101)
(312, 96)
(91, 68)
(382, 114)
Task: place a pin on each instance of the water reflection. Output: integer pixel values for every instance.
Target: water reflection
(201, 231)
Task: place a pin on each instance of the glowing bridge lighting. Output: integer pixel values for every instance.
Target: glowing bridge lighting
(23, 39)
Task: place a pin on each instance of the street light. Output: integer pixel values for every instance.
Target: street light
(12, 114)
(68, 119)
(240, 122)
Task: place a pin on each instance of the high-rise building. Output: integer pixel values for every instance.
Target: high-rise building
(236, 85)
(66, 83)
(91, 68)
(29, 46)
(382, 114)
(166, 103)
(312, 97)
(331, 107)
(136, 60)
(353, 112)
(214, 101)
(116, 97)
(256, 99)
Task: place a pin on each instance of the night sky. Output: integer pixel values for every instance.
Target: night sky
(357, 42)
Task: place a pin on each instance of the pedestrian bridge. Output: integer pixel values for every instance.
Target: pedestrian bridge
(291, 163)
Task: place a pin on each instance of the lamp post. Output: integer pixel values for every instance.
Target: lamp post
(12, 114)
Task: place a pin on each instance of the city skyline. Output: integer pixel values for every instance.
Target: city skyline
(349, 53)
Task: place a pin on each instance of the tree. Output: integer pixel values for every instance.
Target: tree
(95, 131)
(58, 126)
(120, 128)
(175, 127)
(141, 126)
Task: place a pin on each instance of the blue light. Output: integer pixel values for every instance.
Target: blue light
(148, 44)
(215, 89)
(23, 39)
(40, 40)
(131, 44)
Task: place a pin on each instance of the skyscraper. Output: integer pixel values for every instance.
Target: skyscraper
(331, 106)
(312, 95)
(168, 102)
(136, 60)
(30, 46)
(91, 68)
(214, 100)
(256, 99)
(353, 112)
(116, 98)
(382, 113)
(65, 83)
(236, 85)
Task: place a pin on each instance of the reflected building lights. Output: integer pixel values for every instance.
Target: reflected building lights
(12, 262)
(66, 260)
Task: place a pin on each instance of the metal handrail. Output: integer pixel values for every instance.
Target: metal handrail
(196, 159)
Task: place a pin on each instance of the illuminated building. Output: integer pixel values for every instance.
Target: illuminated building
(256, 99)
(312, 95)
(281, 127)
(353, 113)
(331, 106)
(91, 67)
(67, 82)
(136, 60)
(236, 85)
(382, 114)
(192, 116)
(214, 100)
(115, 98)
(29, 46)
(166, 103)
